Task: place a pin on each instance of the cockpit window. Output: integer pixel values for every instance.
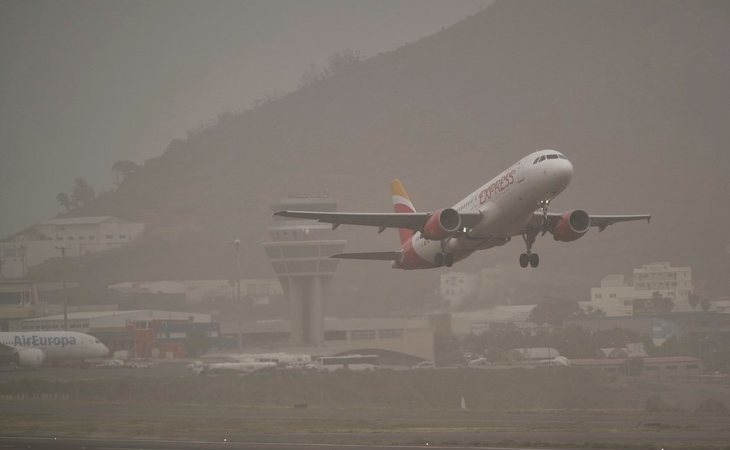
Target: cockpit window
(542, 158)
(536, 160)
(552, 156)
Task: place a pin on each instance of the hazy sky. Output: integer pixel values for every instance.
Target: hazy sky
(84, 84)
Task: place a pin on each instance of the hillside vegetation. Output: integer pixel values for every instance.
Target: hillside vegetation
(635, 93)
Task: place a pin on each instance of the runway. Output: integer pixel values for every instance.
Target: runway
(35, 443)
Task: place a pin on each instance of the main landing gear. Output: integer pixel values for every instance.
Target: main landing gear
(533, 259)
(529, 258)
(443, 259)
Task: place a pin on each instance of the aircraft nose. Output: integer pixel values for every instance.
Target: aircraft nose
(560, 174)
(567, 170)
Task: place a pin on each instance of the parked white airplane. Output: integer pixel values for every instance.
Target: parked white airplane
(243, 366)
(33, 348)
(514, 203)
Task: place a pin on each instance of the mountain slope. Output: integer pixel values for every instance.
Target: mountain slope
(635, 93)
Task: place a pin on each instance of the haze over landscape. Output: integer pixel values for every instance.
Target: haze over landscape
(637, 105)
(163, 135)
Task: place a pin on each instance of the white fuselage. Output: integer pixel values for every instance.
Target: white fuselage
(507, 203)
(56, 345)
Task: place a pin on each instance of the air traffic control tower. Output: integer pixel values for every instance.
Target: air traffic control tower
(299, 251)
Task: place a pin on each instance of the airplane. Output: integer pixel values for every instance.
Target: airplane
(34, 348)
(242, 366)
(514, 203)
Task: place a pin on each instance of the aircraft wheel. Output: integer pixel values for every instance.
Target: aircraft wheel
(524, 260)
(438, 259)
(534, 260)
(448, 260)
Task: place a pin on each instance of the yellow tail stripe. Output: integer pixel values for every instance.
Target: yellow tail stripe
(396, 188)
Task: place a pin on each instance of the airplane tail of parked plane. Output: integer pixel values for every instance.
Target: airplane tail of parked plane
(401, 204)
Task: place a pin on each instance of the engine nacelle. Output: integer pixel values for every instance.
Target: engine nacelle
(571, 226)
(442, 224)
(31, 357)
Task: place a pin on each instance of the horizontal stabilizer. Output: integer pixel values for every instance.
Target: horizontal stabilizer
(377, 256)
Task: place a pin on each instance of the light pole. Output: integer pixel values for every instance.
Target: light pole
(63, 289)
(237, 243)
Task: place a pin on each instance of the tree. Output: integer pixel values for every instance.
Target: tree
(82, 192)
(122, 170)
(554, 311)
(705, 304)
(694, 301)
(312, 75)
(65, 201)
(337, 63)
(342, 60)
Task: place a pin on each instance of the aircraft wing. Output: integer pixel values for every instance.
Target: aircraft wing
(602, 221)
(376, 256)
(6, 349)
(414, 221)
(597, 220)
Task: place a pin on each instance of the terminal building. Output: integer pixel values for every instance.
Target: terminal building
(400, 340)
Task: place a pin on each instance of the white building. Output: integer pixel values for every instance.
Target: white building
(674, 283)
(64, 237)
(456, 287)
(616, 298)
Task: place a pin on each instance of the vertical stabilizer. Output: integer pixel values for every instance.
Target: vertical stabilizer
(401, 204)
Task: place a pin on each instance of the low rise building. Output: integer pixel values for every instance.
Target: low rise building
(479, 321)
(660, 368)
(413, 338)
(70, 237)
(657, 288)
(87, 321)
(258, 290)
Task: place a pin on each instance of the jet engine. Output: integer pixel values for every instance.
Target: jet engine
(571, 226)
(30, 357)
(442, 224)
